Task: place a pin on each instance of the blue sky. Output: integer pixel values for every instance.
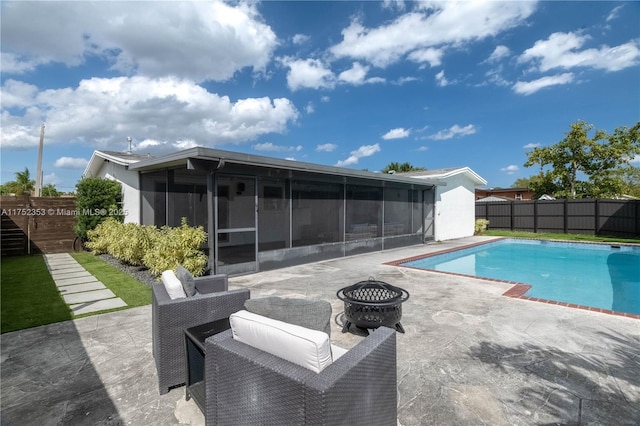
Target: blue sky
(352, 84)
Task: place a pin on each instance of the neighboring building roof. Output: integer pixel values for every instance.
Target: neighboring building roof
(221, 157)
(492, 198)
(546, 197)
(121, 158)
(445, 173)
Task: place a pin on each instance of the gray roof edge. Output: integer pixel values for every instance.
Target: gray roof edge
(258, 160)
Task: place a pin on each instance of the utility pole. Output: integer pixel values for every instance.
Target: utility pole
(38, 190)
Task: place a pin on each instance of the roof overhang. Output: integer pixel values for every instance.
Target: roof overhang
(473, 176)
(215, 159)
(98, 158)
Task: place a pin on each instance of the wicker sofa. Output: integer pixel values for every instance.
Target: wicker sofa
(245, 385)
(170, 317)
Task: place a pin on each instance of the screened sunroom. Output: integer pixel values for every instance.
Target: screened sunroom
(264, 213)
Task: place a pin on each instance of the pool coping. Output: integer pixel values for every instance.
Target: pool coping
(518, 289)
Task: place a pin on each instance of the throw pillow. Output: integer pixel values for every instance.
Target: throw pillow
(173, 285)
(313, 314)
(186, 278)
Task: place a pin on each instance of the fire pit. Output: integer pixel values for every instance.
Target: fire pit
(371, 303)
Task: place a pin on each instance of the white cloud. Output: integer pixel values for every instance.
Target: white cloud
(398, 133)
(510, 170)
(561, 50)
(309, 109)
(52, 179)
(195, 40)
(393, 4)
(355, 75)
(325, 99)
(614, 13)
(441, 80)
(498, 53)
(454, 131)
(308, 74)
(327, 147)
(162, 112)
(531, 145)
(529, 87)
(363, 151)
(71, 163)
(300, 38)
(432, 24)
(423, 148)
(16, 94)
(431, 55)
(268, 146)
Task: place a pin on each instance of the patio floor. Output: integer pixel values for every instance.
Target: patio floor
(469, 356)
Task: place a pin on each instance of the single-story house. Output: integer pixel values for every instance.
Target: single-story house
(264, 213)
(520, 194)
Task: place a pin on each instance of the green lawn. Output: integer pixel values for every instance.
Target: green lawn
(566, 237)
(30, 298)
(132, 291)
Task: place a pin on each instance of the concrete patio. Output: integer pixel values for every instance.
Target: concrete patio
(470, 356)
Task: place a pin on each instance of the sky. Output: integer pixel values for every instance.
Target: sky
(341, 83)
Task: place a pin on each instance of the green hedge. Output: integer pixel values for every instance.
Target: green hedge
(157, 249)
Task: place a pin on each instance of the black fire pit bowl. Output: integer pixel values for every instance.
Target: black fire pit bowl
(371, 304)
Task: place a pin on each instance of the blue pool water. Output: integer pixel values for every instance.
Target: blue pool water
(595, 275)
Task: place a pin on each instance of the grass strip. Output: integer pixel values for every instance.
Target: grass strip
(564, 237)
(133, 292)
(28, 295)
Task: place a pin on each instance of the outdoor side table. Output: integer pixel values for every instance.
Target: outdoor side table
(194, 338)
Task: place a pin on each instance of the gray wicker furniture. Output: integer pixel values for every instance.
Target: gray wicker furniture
(246, 386)
(171, 317)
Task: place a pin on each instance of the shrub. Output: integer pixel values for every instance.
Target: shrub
(171, 247)
(96, 200)
(481, 226)
(157, 249)
(102, 238)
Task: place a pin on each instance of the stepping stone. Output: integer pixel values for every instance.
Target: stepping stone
(62, 275)
(79, 288)
(79, 280)
(66, 267)
(88, 296)
(96, 306)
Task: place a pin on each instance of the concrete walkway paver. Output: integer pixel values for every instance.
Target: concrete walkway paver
(79, 289)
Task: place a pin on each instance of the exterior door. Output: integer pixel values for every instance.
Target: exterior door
(235, 239)
(428, 210)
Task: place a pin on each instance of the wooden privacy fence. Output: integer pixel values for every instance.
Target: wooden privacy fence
(36, 225)
(586, 216)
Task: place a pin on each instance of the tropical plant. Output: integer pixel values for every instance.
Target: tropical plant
(22, 185)
(400, 168)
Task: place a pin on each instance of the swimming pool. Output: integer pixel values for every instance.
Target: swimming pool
(588, 275)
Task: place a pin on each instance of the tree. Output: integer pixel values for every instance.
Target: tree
(22, 185)
(96, 200)
(400, 168)
(49, 190)
(598, 158)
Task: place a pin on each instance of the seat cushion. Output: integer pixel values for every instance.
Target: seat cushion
(313, 314)
(302, 346)
(172, 285)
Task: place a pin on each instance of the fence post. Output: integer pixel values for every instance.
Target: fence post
(566, 217)
(512, 215)
(535, 216)
(597, 218)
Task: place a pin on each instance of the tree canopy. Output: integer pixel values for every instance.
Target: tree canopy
(400, 168)
(22, 185)
(581, 165)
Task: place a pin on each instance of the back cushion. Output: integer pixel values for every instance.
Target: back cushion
(308, 348)
(173, 285)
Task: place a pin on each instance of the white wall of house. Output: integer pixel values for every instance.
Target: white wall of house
(130, 182)
(455, 208)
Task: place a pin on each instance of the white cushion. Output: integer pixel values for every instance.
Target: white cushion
(302, 346)
(337, 352)
(173, 285)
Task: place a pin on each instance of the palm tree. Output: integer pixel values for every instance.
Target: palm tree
(23, 181)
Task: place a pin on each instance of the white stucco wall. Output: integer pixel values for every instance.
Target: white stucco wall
(455, 208)
(130, 188)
